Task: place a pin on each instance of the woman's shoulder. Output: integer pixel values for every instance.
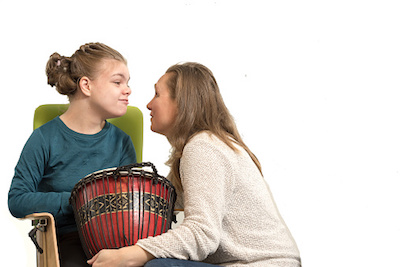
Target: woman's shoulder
(204, 137)
(207, 142)
(212, 139)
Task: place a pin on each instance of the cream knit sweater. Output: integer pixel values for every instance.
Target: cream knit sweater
(230, 215)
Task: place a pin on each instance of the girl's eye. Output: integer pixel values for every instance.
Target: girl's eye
(117, 83)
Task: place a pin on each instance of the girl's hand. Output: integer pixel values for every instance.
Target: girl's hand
(123, 257)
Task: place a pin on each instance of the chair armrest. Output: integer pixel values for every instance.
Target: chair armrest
(178, 217)
(44, 236)
(41, 215)
(177, 211)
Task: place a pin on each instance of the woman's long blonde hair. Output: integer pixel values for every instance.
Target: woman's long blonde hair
(200, 108)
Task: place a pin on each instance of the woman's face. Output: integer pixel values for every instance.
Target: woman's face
(163, 109)
(110, 90)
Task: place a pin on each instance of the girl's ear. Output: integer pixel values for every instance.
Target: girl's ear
(84, 85)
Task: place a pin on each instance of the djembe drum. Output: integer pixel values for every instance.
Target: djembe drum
(116, 207)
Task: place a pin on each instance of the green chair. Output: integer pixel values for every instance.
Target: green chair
(44, 233)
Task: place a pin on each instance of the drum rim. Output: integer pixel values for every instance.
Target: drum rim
(121, 170)
(134, 168)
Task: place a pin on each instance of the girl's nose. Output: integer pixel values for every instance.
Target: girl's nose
(128, 90)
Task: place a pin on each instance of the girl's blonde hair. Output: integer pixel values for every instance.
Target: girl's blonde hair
(65, 72)
(200, 108)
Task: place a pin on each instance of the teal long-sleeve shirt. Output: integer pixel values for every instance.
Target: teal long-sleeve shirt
(54, 159)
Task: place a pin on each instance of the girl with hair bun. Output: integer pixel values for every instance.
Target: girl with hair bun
(230, 216)
(79, 142)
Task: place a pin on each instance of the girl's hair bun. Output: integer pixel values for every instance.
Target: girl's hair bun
(59, 75)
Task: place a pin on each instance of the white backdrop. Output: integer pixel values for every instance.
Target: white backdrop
(313, 86)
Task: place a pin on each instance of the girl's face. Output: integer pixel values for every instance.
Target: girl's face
(163, 109)
(109, 91)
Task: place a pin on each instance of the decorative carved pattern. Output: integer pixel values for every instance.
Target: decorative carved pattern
(128, 201)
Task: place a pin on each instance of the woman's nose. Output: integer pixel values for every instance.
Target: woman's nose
(149, 105)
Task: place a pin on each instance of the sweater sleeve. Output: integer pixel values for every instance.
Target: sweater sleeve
(204, 173)
(24, 197)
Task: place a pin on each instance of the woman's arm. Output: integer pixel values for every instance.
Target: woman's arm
(123, 257)
(204, 178)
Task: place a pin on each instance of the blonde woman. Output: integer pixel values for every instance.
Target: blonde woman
(79, 142)
(230, 215)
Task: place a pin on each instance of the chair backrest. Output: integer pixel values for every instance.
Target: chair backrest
(131, 123)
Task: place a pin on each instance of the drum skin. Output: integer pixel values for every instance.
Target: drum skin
(116, 207)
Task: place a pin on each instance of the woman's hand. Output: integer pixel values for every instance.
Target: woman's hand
(123, 257)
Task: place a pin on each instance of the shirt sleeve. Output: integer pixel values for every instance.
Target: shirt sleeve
(24, 197)
(204, 174)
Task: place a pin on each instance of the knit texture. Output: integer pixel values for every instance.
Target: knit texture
(230, 215)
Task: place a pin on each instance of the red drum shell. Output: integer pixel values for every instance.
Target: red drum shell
(116, 207)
